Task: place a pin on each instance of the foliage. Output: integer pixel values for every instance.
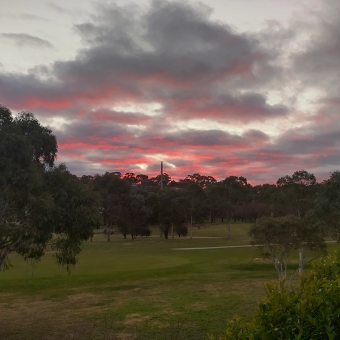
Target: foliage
(326, 214)
(310, 310)
(74, 216)
(277, 236)
(123, 206)
(299, 190)
(38, 200)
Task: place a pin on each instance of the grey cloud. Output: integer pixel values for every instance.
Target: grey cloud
(139, 56)
(319, 64)
(86, 129)
(204, 138)
(256, 135)
(172, 39)
(23, 39)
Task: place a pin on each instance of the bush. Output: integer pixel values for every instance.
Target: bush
(145, 232)
(310, 310)
(181, 229)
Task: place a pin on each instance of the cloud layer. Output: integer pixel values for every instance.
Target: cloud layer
(168, 83)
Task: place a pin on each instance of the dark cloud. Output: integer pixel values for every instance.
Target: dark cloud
(26, 40)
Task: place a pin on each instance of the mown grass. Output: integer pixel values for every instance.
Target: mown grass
(144, 284)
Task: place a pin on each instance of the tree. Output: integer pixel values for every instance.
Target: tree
(299, 189)
(31, 207)
(131, 177)
(114, 192)
(225, 196)
(200, 180)
(134, 217)
(326, 213)
(167, 210)
(75, 214)
(195, 204)
(157, 180)
(276, 237)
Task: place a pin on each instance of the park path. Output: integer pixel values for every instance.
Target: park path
(227, 247)
(221, 247)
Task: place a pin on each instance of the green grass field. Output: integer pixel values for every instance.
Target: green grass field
(141, 289)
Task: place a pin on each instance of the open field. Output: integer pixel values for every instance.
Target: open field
(142, 284)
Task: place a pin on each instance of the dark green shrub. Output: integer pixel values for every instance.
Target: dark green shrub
(310, 310)
(181, 229)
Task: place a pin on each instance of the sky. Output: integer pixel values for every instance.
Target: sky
(221, 87)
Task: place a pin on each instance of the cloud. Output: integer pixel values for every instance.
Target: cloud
(26, 40)
(166, 82)
(139, 57)
(318, 64)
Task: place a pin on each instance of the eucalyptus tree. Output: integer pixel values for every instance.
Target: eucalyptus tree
(167, 209)
(114, 192)
(276, 237)
(226, 195)
(299, 190)
(39, 203)
(326, 212)
(195, 204)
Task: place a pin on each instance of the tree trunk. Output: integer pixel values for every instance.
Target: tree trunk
(301, 260)
(191, 227)
(228, 228)
(108, 233)
(172, 227)
(228, 225)
(4, 257)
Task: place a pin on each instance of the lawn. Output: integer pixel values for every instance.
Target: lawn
(143, 287)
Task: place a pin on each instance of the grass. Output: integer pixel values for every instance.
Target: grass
(119, 286)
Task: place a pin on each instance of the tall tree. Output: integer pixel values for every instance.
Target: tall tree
(226, 195)
(32, 208)
(195, 204)
(299, 190)
(114, 192)
(326, 212)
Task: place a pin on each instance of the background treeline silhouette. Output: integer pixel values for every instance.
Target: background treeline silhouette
(130, 203)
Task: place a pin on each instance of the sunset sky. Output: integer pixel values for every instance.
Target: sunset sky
(221, 87)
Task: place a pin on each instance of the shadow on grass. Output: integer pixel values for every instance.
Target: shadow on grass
(109, 329)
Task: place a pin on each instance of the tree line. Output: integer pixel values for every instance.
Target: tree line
(198, 198)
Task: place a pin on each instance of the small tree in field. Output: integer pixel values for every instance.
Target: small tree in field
(277, 237)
